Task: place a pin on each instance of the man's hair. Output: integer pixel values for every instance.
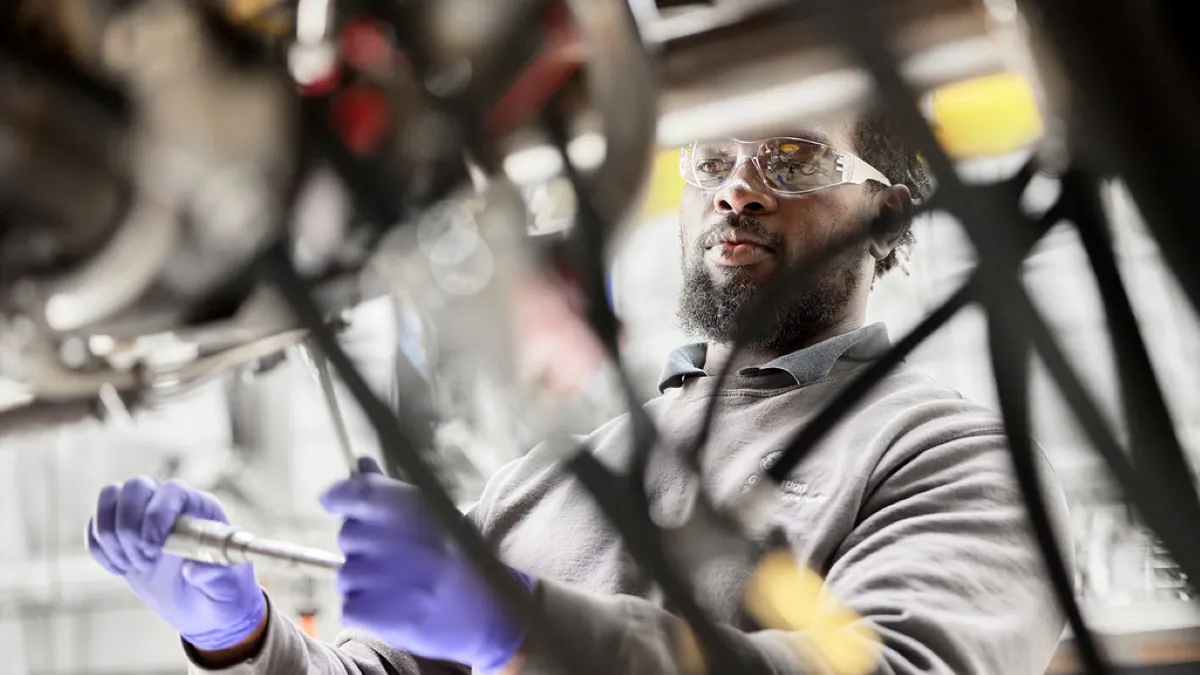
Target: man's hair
(879, 143)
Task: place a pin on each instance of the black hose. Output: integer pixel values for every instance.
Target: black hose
(1010, 363)
(625, 502)
(807, 438)
(1133, 94)
(402, 445)
(1146, 415)
(984, 221)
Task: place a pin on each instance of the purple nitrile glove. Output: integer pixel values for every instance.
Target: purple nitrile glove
(212, 607)
(406, 583)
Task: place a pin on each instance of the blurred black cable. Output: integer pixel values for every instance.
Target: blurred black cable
(801, 275)
(644, 538)
(402, 447)
(986, 222)
(1133, 97)
(587, 245)
(404, 442)
(625, 501)
(1011, 363)
(587, 250)
(990, 232)
(1146, 414)
(465, 107)
(845, 400)
(37, 416)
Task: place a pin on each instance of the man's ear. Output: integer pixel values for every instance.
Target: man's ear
(894, 216)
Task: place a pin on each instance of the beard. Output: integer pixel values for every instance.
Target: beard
(716, 311)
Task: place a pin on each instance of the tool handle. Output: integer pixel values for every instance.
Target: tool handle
(218, 543)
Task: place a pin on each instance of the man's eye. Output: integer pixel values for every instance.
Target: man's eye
(711, 166)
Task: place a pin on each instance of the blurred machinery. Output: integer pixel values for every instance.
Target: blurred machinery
(192, 187)
(193, 137)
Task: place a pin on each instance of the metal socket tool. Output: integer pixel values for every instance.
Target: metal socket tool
(209, 541)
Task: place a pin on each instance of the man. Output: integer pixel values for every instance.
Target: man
(908, 508)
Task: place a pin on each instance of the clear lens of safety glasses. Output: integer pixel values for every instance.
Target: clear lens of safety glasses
(787, 165)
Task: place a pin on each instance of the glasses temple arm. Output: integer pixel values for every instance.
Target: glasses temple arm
(858, 171)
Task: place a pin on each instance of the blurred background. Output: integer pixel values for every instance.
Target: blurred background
(262, 439)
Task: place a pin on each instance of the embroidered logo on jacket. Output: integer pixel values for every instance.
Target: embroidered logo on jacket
(791, 488)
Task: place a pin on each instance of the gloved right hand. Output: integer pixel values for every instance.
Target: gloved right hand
(213, 607)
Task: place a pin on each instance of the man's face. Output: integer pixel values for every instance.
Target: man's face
(738, 237)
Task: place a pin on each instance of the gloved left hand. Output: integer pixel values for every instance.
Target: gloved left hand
(405, 582)
(213, 607)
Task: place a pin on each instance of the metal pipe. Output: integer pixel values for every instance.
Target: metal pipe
(329, 393)
(38, 416)
(209, 541)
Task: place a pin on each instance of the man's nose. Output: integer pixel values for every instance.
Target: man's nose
(744, 193)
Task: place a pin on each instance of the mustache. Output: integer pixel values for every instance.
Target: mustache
(748, 225)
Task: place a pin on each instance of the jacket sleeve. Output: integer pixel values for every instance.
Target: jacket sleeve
(941, 564)
(287, 650)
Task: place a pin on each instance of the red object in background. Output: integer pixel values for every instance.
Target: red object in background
(361, 117)
(553, 66)
(364, 44)
(323, 86)
(557, 353)
(308, 624)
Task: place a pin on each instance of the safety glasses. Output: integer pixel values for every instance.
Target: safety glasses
(789, 166)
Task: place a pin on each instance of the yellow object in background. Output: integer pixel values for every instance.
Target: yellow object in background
(271, 18)
(666, 185)
(787, 596)
(986, 116)
(983, 117)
